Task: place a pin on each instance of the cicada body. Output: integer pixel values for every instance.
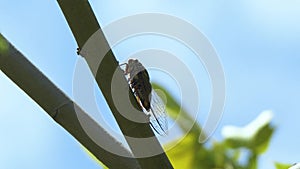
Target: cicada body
(139, 81)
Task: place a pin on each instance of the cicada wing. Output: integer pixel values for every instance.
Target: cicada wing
(158, 115)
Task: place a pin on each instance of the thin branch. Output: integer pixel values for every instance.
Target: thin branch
(63, 110)
(83, 24)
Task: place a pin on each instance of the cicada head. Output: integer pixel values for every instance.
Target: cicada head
(133, 67)
(132, 64)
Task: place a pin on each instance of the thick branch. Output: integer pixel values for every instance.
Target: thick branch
(78, 13)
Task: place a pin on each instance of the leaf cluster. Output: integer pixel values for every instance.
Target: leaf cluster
(233, 152)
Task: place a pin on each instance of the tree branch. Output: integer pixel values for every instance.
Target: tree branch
(83, 24)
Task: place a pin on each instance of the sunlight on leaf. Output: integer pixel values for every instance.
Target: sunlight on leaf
(282, 166)
(250, 130)
(255, 136)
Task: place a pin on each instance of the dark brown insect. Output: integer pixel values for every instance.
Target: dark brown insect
(139, 81)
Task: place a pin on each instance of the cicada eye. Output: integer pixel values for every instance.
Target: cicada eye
(136, 61)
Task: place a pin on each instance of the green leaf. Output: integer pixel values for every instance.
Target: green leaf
(255, 136)
(236, 155)
(182, 152)
(261, 141)
(218, 152)
(3, 45)
(282, 166)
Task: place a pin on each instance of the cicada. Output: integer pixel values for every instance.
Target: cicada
(139, 82)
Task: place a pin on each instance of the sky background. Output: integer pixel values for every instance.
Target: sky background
(257, 42)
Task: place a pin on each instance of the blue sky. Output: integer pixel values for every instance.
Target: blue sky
(257, 42)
